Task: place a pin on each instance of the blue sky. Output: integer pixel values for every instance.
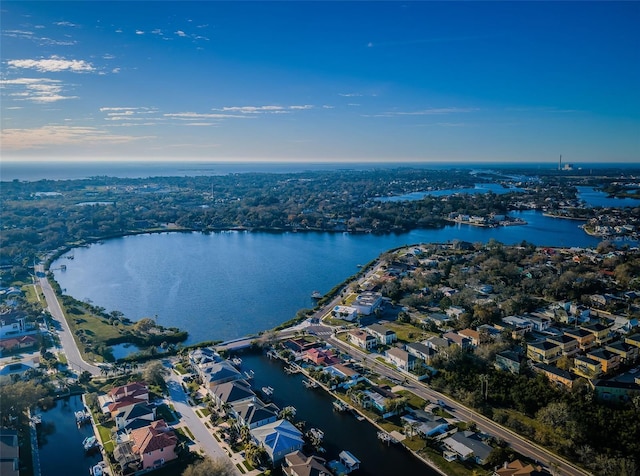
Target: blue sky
(321, 81)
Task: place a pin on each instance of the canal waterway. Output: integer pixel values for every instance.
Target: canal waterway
(342, 431)
(225, 285)
(60, 440)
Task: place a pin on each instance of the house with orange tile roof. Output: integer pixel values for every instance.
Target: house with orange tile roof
(154, 444)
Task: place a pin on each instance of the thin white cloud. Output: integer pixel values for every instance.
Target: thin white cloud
(53, 64)
(38, 90)
(197, 115)
(157, 31)
(269, 109)
(427, 112)
(139, 32)
(48, 136)
(181, 33)
(65, 23)
(349, 95)
(29, 35)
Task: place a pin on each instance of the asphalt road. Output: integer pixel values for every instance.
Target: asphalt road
(67, 341)
(203, 437)
(521, 445)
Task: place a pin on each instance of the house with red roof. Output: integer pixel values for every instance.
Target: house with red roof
(155, 444)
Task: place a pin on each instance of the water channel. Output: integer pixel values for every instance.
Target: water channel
(60, 440)
(342, 431)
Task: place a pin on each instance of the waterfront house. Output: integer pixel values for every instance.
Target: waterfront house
(367, 302)
(203, 356)
(545, 352)
(232, 392)
(215, 373)
(381, 399)
(9, 452)
(586, 367)
(348, 375)
(424, 423)
(299, 464)
(278, 439)
(137, 415)
(554, 374)
(254, 413)
(509, 361)
(586, 340)
(568, 345)
(321, 357)
(468, 445)
(518, 468)
(137, 390)
(155, 444)
(122, 398)
(362, 339)
(609, 361)
(401, 358)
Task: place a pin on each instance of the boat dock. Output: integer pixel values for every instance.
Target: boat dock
(340, 406)
(291, 369)
(309, 383)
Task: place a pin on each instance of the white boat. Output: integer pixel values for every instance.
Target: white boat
(89, 442)
(268, 391)
(97, 470)
(316, 295)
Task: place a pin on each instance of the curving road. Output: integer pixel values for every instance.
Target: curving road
(67, 341)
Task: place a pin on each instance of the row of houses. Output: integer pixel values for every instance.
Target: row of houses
(142, 442)
(231, 392)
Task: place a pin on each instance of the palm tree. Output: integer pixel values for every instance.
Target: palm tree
(245, 434)
(287, 413)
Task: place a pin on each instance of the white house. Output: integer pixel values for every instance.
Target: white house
(367, 302)
(347, 313)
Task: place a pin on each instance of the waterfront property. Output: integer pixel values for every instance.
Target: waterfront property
(278, 439)
(299, 464)
(468, 445)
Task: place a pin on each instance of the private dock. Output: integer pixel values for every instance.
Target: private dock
(309, 383)
(340, 406)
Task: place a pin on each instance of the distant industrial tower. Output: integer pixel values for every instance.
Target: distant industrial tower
(560, 163)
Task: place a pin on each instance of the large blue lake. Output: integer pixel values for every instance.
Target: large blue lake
(230, 284)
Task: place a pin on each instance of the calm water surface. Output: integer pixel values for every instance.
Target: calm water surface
(60, 441)
(227, 285)
(598, 198)
(342, 431)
